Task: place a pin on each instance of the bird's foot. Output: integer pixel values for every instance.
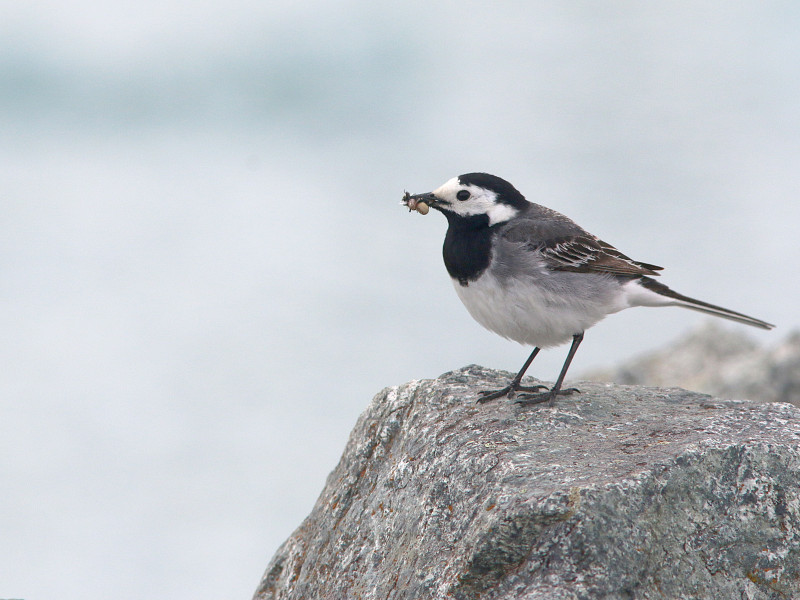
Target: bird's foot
(549, 396)
(509, 391)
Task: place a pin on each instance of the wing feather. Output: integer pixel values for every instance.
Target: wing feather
(566, 246)
(584, 254)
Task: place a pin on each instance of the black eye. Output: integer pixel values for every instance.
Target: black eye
(462, 195)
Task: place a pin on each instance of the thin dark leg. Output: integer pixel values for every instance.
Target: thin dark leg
(514, 386)
(550, 397)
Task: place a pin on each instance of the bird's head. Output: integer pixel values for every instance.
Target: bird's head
(471, 196)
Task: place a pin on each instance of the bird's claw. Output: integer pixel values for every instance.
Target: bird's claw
(549, 397)
(510, 391)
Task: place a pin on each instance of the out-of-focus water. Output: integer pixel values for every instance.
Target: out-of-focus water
(206, 273)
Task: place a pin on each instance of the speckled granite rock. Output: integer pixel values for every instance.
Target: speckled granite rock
(619, 492)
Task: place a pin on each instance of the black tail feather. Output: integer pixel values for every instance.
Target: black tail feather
(705, 307)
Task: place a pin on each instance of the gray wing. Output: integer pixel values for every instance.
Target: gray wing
(590, 254)
(565, 246)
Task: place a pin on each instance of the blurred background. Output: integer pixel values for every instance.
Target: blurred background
(206, 273)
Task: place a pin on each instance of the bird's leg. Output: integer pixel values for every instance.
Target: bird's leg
(514, 386)
(550, 397)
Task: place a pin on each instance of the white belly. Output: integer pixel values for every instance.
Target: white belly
(533, 315)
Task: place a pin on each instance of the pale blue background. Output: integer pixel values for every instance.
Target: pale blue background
(206, 275)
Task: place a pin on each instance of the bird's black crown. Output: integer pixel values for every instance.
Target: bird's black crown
(506, 192)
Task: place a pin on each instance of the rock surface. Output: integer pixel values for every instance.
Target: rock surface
(619, 492)
(720, 361)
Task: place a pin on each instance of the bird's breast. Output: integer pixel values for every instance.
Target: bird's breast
(467, 253)
(532, 312)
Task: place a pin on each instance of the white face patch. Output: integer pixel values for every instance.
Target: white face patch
(480, 202)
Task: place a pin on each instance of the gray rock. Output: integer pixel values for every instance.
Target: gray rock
(618, 492)
(718, 361)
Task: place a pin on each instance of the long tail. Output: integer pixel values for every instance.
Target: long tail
(699, 305)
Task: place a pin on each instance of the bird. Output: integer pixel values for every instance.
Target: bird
(534, 276)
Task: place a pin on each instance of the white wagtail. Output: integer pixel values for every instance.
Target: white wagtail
(536, 277)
